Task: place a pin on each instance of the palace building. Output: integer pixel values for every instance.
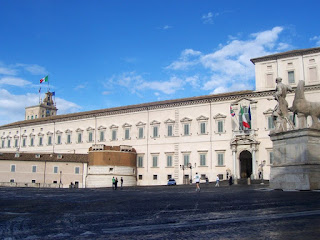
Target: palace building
(149, 143)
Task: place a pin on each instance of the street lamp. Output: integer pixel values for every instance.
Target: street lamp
(60, 178)
(190, 166)
(182, 167)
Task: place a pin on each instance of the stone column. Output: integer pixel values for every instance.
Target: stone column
(234, 150)
(253, 147)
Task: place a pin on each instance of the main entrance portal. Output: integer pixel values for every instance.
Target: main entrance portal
(245, 164)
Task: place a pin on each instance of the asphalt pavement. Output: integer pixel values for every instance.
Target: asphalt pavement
(161, 212)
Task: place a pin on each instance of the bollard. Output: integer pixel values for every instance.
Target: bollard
(249, 181)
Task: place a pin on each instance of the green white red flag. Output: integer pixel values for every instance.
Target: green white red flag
(45, 79)
(244, 120)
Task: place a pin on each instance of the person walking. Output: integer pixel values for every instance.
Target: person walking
(113, 183)
(217, 181)
(230, 180)
(121, 181)
(116, 184)
(197, 180)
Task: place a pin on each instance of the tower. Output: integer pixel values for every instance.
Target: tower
(46, 108)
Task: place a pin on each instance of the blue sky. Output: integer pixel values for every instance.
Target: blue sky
(102, 54)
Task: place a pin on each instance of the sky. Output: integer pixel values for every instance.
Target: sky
(103, 54)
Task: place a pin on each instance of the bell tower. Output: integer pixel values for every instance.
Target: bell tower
(46, 108)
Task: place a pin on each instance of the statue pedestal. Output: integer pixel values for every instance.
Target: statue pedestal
(296, 164)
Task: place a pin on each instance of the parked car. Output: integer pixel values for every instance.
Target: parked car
(171, 181)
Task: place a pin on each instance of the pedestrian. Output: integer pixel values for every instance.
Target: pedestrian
(217, 181)
(230, 180)
(113, 183)
(116, 184)
(197, 180)
(121, 182)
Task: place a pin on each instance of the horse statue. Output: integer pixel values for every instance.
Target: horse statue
(304, 107)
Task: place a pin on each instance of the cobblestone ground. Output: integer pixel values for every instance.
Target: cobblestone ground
(166, 212)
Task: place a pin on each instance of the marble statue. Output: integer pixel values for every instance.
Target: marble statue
(280, 113)
(301, 106)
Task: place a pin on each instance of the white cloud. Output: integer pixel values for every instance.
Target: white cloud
(12, 107)
(228, 67)
(207, 18)
(14, 81)
(316, 39)
(166, 27)
(7, 71)
(34, 69)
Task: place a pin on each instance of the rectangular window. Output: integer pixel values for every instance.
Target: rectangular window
(16, 143)
(33, 181)
(202, 159)
(271, 157)
(270, 123)
(140, 132)
(186, 159)
(59, 139)
(155, 177)
(170, 132)
(2, 143)
(270, 80)
(34, 168)
(127, 134)
(169, 160)
(13, 168)
(79, 137)
(313, 74)
(140, 177)
(155, 131)
(291, 77)
(101, 136)
(68, 138)
(12, 180)
(186, 129)
(77, 170)
(169, 176)
(220, 159)
(114, 135)
(40, 141)
(140, 161)
(32, 142)
(90, 137)
(9, 143)
(23, 142)
(220, 126)
(203, 128)
(55, 169)
(154, 161)
(49, 140)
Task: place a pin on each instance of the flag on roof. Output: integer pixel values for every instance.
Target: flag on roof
(45, 79)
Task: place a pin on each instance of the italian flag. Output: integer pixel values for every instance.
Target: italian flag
(244, 120)
(45, 79)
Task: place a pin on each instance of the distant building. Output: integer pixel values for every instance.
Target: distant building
(176, 138)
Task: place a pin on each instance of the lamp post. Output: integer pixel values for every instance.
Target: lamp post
(60, 179)
(190, 166)
(182, 167)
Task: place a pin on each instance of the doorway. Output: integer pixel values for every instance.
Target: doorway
(245, 164)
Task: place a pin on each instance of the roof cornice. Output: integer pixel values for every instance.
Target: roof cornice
(292, 53)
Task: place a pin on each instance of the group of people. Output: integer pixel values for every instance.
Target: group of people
(115, 183)
(197, 180)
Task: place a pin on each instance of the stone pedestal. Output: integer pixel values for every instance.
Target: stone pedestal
(296, 163)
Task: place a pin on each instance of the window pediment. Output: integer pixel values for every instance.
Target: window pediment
(79, 130)
(140, 124)
(58, 132)
(16, 136)
(169, 121)
(90, 129)
(154, 122)
(202, 118)
(40, 134)
(49, 133)
(101, 128)
(269, 111)
(31, 135)
(68, 131)
(113, 126)
(126, 125)
(186, 119)
(219, 116)
(244, 102)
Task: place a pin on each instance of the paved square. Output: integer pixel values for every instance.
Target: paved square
(164, 212)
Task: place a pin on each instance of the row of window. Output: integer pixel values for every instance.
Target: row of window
(34, 169)
(202, 160)
(186, 177)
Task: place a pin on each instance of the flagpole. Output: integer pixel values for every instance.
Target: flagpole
(48, 84)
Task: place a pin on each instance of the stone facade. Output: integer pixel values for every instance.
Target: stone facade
(176, 138)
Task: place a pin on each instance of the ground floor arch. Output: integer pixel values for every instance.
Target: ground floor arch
(245, 164)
